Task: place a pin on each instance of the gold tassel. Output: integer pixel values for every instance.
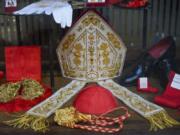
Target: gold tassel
(161, 120)
(39, 124)
(70, 116)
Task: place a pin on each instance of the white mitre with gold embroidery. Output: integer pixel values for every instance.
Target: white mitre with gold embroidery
(91, 51)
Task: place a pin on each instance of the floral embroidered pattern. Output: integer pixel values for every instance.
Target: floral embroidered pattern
(134, 101)
(89, 53)
(47, 107)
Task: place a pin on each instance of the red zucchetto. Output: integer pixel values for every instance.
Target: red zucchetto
(95, 99)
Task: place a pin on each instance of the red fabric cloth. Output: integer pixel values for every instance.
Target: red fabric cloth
(112, 1)
(171, 96)
(10, 9)
(149, 88)
(133, 3)
(95, 99)
(23, 62)
(96, 4)
(1, 74)
(20, 104)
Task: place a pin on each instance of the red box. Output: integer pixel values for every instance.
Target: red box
(23, 62)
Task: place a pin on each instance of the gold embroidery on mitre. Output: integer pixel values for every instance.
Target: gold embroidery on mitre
(91, 50)
(46, 107)
(68, 41)
(91, 19)
(105, 53)
(114, 40)
(57, 99)
(77, 54)
(132, 100)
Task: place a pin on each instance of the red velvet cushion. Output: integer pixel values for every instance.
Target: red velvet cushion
(95, 99)
(23, 62)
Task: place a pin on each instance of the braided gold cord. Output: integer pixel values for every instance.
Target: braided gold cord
(9, 91)
(70, 117)
(31, 89)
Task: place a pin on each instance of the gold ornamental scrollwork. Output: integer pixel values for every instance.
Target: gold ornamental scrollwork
(91, 19)
(134, 101)
(77, 54)
(114, 40)
(105, 53)
(68, 42)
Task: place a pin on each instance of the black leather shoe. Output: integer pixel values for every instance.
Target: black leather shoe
(164, 49)
(163, 69)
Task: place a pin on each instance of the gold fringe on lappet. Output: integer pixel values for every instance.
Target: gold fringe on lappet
(39, 124)
(161, 120)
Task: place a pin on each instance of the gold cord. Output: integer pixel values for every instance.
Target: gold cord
(9, 91)
(31, 89)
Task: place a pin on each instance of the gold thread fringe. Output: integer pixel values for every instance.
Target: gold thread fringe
(38, 124)
(161, 120)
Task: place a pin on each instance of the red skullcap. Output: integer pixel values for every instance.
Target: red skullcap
(95, 99)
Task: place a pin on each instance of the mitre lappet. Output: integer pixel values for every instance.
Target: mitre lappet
(91, 52)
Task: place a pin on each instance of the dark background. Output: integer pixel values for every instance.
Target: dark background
(138, 28)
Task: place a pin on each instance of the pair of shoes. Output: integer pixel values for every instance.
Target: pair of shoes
(162, 53)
